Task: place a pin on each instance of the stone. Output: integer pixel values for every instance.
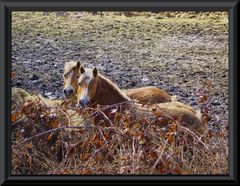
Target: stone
(34, 77)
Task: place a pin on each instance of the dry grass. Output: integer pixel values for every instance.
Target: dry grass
(45, 141)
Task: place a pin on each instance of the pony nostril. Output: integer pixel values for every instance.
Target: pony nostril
(83, 102)
(80, 102)
(65, 91)
(68, 91)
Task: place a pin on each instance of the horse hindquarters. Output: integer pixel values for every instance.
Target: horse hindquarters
(148, 95)
(173, 111)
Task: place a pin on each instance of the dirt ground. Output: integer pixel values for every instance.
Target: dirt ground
(173, 51)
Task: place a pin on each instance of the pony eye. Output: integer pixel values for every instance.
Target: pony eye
(78, 76)
(65, 75)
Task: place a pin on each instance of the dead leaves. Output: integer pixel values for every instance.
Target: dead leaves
(15, 115)
(13, 74)
(30, 145)
(129, 145)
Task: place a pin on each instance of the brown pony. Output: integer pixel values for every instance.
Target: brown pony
(70, 77)
(95, 89)
(148, 94)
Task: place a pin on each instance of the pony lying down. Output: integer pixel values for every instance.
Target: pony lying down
(148, 94)
(95, 89)
(174, 109)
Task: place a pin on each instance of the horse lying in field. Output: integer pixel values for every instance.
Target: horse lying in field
(174, 109)
(95, 89)
(148, 94)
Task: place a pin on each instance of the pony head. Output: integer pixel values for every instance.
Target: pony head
(87, 86)
(70, 76)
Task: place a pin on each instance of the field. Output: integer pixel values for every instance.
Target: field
(185, 54)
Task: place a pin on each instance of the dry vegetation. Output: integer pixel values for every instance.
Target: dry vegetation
(175, 49)
(60, 139)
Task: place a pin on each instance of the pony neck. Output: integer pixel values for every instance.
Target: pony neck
(108, 93)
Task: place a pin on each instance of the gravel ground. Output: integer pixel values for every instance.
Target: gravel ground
(173, 51)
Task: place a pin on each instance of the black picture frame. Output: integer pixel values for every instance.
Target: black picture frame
(7, 6)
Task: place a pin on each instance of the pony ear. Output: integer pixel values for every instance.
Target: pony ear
(95, 72)
(82, 70)
(78, 64)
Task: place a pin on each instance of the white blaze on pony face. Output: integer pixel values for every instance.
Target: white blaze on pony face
(86, 87)
(68, 78)
(71, 75)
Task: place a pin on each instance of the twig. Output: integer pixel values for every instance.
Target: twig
(133, 156)
(194, 135)
(18, 121)
(160, 156)
(94, 153)
(42, 100)
(46, 132)
(102, 134)
(106, 117)
(69, 121)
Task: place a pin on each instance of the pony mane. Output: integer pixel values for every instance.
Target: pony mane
(69, 66)
(108, 82)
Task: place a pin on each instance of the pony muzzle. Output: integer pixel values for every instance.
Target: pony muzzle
(68, 92)
(83, 103)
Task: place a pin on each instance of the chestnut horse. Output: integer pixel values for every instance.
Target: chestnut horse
(95, 89)
(70, 78)
(148, 94)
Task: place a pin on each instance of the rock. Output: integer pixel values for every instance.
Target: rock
(193, 103)
(215, 103)
(48, 93)
(171, 89)
(34, 77)
(19, 83)
(183, 94)
(43, 86)
(133, 84)
(35, 82)
(145, 79)
(52, 97)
